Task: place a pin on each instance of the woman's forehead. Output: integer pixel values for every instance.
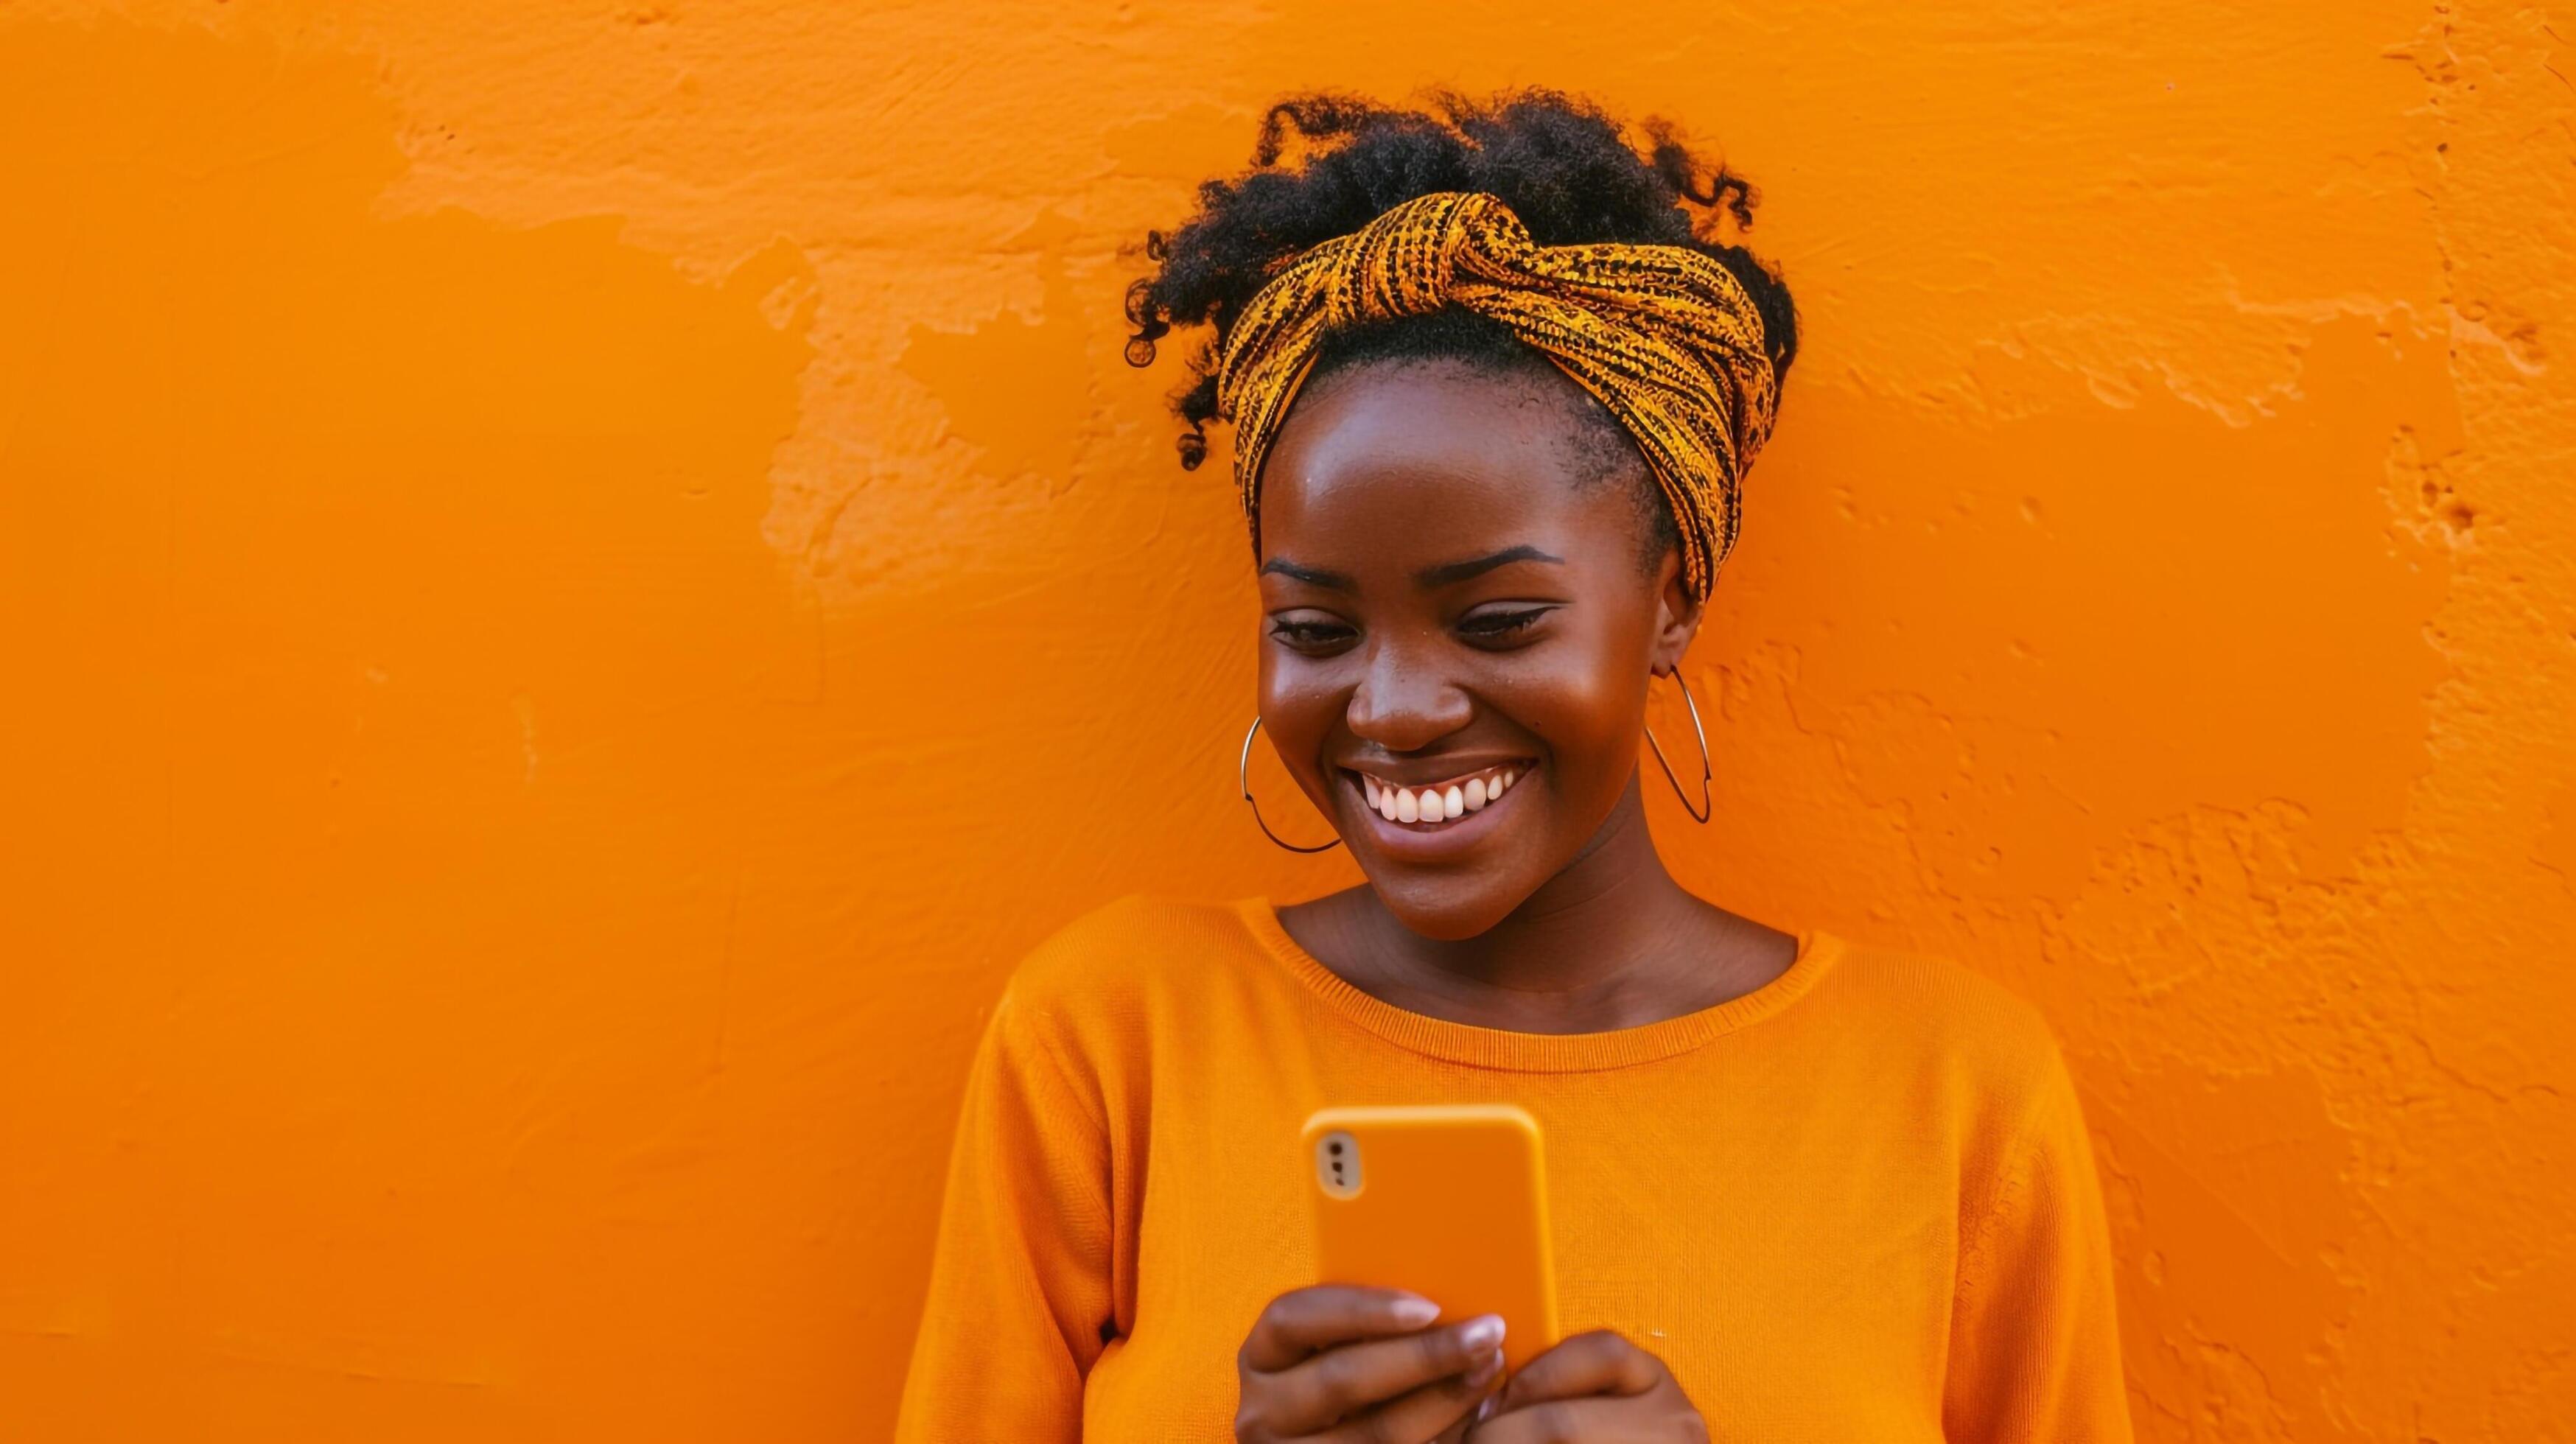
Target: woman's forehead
(1397, 521)
(1430, 443)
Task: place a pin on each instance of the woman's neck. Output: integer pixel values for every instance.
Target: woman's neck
(1611, 941)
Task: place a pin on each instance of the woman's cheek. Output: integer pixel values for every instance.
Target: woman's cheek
(1586, 726)
(1297, 711)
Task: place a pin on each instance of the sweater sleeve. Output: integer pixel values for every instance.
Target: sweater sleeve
(2034, 1336)
(1020, 1279)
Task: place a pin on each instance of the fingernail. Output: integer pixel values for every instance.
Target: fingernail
(1413, 1310)
(1486, 1410)
(1482, 1332)
(1485, 1370)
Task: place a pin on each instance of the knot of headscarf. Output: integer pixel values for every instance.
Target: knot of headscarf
(1664, 336)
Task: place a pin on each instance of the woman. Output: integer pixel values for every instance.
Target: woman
(1492, 398)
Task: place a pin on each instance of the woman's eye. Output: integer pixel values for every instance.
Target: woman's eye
(1501, 624)
(1308, 634)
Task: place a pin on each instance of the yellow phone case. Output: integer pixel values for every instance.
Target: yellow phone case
(1448, 1201)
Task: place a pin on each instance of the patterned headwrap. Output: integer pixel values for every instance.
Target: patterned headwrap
(1665, 336)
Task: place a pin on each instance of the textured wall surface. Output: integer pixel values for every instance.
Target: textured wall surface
(580, 580)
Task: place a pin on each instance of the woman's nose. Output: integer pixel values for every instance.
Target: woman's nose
(1403, 703)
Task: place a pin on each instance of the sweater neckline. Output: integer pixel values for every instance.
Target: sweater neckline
(1502, 1048)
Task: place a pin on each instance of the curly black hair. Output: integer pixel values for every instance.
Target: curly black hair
(1328, 164)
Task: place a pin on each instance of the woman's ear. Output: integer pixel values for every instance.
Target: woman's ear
(1677, 616)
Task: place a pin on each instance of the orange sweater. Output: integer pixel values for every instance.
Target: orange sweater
(1855, 1204)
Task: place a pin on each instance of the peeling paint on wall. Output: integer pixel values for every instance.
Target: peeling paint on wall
(515, 525)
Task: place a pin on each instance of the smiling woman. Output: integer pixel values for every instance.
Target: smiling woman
(1495, 387)
(1448, 587)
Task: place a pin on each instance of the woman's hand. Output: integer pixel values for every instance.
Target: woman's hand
(1595, 1387)
(1359, 1365)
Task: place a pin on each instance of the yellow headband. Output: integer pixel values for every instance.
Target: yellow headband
(1663, 335)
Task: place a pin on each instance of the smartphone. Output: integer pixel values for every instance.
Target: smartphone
(1448, 1201)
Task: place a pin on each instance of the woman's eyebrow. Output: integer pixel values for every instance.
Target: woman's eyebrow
(1311, 576)
(1448, 572)
(1442, 575)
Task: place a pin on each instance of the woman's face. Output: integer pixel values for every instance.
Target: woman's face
(1452, 596)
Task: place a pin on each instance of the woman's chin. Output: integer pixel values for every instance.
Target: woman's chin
(1448, 909)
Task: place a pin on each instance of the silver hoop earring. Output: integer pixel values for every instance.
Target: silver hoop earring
(1243, 775)
(1705, 773)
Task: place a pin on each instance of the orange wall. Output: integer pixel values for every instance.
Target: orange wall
(580, 580)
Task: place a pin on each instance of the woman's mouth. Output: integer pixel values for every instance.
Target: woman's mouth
(1433, 806)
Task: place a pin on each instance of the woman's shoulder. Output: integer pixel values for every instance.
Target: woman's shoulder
(1129, 946)
(1946, 1019)
(1105, 991)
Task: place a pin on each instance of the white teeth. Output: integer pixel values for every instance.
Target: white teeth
(1437, 804)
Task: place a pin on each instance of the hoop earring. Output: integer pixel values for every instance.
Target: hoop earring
(1243, 775)
(1705, 773)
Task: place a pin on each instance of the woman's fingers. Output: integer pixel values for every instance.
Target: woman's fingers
(1302, 1321)
(1436, 1410)
(1407, 1388)
(1562, 1421)
(1330, 1356)
(1595, 1387)
(1592, 1387)
(1599, 1362)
